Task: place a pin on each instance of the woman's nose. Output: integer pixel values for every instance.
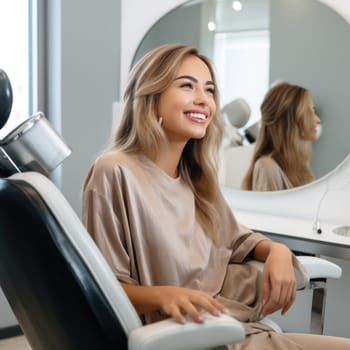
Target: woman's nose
(201, 97)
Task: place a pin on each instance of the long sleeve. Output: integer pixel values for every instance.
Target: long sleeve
(105, 217)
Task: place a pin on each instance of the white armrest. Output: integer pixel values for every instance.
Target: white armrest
(313, 266)
(170, 335)
(302, 277)
(320, 268)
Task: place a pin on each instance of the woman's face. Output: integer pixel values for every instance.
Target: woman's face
(187, 106)
(314, 132)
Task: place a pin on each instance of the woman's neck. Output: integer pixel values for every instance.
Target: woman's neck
(169, 158)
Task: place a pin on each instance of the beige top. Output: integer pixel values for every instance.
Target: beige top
(268, 176)
(144, 223)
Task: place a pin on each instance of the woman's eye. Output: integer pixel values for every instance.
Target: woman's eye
(211, 91)
(187, 85)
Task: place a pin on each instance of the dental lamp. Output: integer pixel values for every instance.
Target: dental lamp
(5, 98)
(236, 115)
(33, 145)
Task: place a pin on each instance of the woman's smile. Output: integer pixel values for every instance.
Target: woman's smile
(198, 117)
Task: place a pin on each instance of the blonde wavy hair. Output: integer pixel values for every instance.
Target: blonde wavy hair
(139, 131)
(286, 122)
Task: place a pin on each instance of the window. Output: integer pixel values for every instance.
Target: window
(242, 62)
(18, 54)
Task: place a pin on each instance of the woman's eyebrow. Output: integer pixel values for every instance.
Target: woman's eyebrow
(209, 82)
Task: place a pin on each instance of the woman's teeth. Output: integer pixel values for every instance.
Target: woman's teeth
(197, 116)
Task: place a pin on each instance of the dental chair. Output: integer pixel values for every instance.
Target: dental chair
(59, 286)
(64, 294)
(61, 289)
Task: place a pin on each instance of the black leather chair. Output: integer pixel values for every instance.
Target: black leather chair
(62, 291)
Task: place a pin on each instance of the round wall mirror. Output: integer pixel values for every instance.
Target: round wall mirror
(257, 42)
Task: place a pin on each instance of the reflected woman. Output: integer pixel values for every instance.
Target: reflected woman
(281, 158)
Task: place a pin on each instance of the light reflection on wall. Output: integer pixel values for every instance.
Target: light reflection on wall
(14, 57)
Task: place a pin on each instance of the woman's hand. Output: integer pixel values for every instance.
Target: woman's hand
(177, 302)
(173, 301)
(279, 281)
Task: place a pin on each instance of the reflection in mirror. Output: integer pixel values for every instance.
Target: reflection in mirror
(236, 115)
(264, 42)
(281, 158)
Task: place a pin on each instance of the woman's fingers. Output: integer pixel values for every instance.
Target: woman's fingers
(209, 304)
(218, 307)
(175, 312)
(178, 302)
(279, 281)
(278, 294)
(189, 308)
(287, 306)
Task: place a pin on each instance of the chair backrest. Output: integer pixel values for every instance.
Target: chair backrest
(58, 284)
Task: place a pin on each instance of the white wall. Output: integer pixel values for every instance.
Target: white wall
(83, 78)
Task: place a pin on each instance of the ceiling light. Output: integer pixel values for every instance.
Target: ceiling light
(211, 26)
(237, 6)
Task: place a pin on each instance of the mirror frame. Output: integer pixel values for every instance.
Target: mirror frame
(135, 34)
(301, 202)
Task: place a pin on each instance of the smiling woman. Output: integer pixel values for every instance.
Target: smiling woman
(290, 214)
(153, 204)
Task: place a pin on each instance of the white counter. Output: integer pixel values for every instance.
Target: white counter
(294, 227)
